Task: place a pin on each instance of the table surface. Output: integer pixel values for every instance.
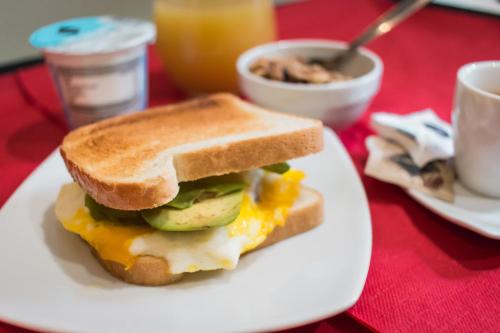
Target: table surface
(426, 274)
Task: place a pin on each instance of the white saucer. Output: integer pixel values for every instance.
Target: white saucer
(469, 210)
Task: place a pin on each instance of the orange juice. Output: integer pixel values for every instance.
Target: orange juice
(200, 40)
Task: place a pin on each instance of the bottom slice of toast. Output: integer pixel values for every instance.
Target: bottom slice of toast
(306, 213)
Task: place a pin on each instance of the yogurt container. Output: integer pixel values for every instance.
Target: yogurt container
(99, 65)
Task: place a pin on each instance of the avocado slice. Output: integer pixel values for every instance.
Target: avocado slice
(277, 168)
(208, 213)
(101, 212)
(189, 194)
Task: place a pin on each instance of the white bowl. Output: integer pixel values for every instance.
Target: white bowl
(338, 104)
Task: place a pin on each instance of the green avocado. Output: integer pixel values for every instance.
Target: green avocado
(277, 168)
(100, 212)
(208, 213)
(189, 193)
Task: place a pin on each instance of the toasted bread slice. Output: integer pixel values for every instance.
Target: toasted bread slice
(306, 214)
(136, 161)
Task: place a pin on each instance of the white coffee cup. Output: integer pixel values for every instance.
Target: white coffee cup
(476, 124)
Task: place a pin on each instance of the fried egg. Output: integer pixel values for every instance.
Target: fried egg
(264, 207)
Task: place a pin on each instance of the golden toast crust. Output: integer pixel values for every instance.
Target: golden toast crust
(136, 161)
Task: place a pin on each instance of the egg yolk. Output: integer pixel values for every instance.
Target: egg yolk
(276, 198)
(111, 240)
(256, 221)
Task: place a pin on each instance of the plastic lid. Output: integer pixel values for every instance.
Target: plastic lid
(97, 34)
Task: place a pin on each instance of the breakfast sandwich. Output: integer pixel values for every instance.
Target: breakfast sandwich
(187, 187)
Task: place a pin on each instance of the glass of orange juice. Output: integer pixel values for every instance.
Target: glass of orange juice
(200, 40)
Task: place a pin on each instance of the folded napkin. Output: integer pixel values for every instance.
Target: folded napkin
(412, 151)
(423, 134)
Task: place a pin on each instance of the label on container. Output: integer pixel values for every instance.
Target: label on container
(92, 90)
(93, 93)
(100, 86)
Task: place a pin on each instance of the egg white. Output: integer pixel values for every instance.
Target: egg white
(210, 249)
(192, 251)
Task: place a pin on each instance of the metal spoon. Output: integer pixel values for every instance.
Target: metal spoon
(385, 23)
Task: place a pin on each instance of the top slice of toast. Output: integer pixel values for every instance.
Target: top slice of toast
(136, 161)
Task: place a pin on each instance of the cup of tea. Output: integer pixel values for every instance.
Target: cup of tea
(476, 124)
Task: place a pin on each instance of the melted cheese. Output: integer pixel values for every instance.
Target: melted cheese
(257, 220)
(215, 248)
(111, 240)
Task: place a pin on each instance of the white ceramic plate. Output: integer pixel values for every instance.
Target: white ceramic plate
(469, 210)
(50, 281)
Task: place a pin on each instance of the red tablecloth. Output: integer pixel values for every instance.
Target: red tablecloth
(426, 274)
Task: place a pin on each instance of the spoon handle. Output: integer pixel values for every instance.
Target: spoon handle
(384, 23)
(387, 21)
